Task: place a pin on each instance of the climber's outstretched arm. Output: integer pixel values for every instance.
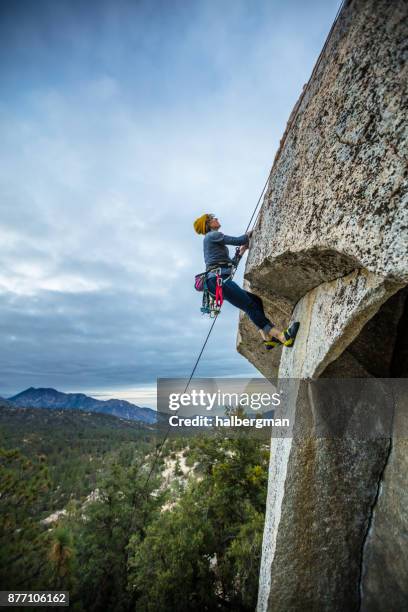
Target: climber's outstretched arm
(221, 238)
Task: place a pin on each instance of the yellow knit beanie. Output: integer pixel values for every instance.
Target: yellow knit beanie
(200, 224)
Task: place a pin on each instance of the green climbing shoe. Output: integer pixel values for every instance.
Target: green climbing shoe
(290, 334)
(270, 344)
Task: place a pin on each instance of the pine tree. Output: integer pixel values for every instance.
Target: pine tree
(23, 540)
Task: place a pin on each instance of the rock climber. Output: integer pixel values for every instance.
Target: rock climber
(216, 257)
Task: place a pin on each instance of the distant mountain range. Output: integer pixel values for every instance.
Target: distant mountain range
(56, 400)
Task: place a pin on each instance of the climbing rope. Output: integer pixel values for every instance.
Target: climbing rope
(290, 123)
(160, 446)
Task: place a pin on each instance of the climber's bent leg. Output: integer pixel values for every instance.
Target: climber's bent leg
(270, 336)
(249, 303)
(252, 305)
(269, 331)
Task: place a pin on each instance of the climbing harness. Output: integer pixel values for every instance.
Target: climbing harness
(211, 303)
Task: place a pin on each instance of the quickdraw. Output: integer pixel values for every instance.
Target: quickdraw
(209, 306)
(218, 290)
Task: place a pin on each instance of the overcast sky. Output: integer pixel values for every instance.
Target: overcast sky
(121, 122)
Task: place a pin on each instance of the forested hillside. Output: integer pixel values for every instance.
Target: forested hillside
(74, 445)
(78, 512)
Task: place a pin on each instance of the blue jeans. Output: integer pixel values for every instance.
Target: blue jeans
(245, 300)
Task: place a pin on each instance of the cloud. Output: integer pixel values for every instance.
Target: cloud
(122, 122)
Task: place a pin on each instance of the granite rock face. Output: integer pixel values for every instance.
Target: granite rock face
(330, 250)
(337, 197)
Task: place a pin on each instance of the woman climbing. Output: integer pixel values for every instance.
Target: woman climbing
(216, 257)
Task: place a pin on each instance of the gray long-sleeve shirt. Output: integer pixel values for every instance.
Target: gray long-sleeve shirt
(215, 249)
